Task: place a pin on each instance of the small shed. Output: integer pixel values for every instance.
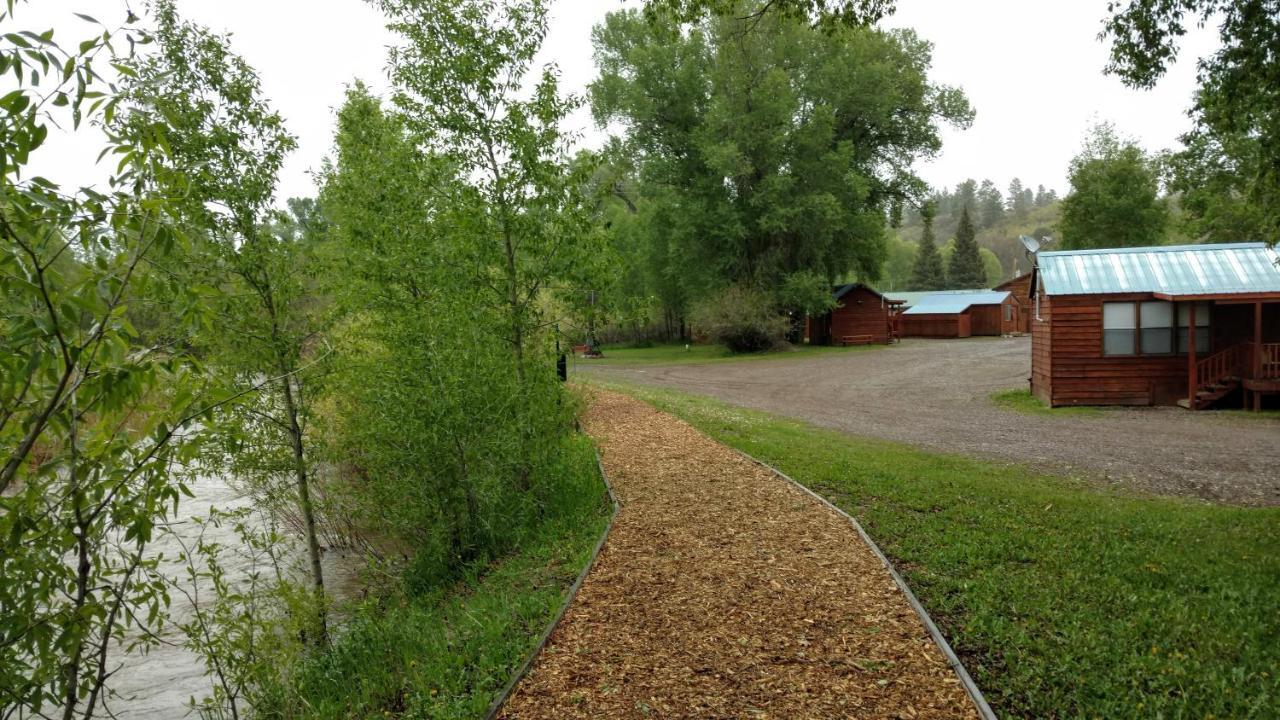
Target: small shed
(960, 314)
(1191, 325)
(862, 317)
(1020, 289)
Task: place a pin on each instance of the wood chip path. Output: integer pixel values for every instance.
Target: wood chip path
(725, 592)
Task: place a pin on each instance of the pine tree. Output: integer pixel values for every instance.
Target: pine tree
(927, 273)
(1020, 199)
(966, 269)
(990, 204)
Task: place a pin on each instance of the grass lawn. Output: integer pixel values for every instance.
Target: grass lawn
(1063, 600)
(448, 653)
(675, 354)
(1021, 400)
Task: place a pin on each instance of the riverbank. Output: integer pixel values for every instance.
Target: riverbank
(447, 652)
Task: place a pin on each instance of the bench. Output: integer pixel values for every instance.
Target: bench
(857, 339)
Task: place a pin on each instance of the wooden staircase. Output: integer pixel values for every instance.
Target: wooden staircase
(1217, 376)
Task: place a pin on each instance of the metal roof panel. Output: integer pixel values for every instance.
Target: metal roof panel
(947, 303)
(1176, 270)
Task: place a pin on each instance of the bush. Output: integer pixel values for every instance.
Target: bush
(742, 319)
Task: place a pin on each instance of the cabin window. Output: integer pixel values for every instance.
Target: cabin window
(1156, 321)
(1119, 328)
(1203, 336)
(1008, 313)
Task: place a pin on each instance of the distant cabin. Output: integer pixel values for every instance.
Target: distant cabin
(957, 313)
(862, 316)
(1020, 289)
(1195, 325)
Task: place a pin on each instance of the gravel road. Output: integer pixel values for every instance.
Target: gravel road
(935, 394)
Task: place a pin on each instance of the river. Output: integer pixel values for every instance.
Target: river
(159, 684)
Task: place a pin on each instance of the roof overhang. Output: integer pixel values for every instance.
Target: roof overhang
(1222, 298)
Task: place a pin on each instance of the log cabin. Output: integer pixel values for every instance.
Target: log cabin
(862, 316)
(1193, 325)
(960, 314)
(1020, 289)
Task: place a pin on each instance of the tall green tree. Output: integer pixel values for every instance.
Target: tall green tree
(966, 197)
(822, 12)
(1020, 199)
(990, 204)
(1232, 162)
(523, 224)
(459, 81)
(224, 135)
(928, 273)
(965, 268)
(1115, 196)
(753, 144)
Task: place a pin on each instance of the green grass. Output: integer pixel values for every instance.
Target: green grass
(1063, 600)
(706, 353)
(446, 654)
(1021, 400)
(1261, 415)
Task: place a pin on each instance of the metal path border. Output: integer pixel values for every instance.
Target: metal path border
(496, 706)
(975, 694)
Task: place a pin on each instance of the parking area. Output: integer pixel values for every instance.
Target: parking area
(936, 394)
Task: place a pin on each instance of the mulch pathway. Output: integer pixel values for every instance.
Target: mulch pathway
(725, 592)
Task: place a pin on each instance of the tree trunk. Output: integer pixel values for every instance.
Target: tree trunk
(308, 510)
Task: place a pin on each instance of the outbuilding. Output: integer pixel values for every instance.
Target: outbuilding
(1020, 288)
(862, 316)
(1193, 325)
(959, 314)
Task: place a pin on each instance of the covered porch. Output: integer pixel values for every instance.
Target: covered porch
(1244, 351)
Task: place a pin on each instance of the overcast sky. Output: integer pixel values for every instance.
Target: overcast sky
(1031, 68)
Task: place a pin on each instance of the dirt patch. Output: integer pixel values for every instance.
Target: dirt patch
(935, 394)
(725, 592)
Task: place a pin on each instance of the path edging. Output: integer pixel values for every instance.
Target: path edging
(975, 694)
(496, 706)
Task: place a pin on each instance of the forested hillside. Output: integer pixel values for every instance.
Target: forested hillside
(1000, 221)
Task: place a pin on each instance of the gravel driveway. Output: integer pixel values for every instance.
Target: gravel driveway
(935, 394)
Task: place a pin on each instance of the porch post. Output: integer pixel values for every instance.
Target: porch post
(1191, 357)
(1257, 339)
(1257, 352)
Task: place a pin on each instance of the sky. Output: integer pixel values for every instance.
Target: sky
(1032, 69)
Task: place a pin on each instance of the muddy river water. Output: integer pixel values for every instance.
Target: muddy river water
(160, 683)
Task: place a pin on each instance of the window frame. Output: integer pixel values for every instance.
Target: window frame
(1204, 309)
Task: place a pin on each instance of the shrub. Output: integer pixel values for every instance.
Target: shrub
(743, 319)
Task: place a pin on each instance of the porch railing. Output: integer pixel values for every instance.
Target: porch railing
(1266, 366)
(1222, 365)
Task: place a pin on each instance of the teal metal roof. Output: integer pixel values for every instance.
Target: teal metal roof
(914, 297)
(947, 303)
(1176, 270)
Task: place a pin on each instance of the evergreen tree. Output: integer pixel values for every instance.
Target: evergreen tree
(1042, 196)
(966, 197)
(927, 273)
(966, 269)
(1020, 199)
(990, 204)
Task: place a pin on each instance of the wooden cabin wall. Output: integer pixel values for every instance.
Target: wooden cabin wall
(1079, 374)
(951, 325)
(1020, 289)
(986, 319)
(1016, 321)
(861, 312)
(1041, 352)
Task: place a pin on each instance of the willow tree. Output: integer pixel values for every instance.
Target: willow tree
(225, 138)
(522, 225)
(93, 413)
(781, 148)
